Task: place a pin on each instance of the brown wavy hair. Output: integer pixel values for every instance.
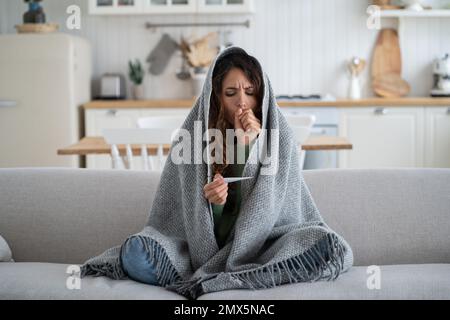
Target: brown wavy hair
(252, 69)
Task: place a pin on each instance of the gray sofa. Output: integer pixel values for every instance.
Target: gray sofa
(396, 219)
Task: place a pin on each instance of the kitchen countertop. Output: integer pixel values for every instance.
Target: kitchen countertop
(188, 103)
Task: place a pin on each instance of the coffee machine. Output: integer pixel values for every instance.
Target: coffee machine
(441, 75)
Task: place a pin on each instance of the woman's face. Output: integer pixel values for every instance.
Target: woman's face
(237, 92)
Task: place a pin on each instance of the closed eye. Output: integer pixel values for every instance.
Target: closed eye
(232, 93)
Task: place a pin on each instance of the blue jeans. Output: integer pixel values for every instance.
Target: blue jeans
(136, 262)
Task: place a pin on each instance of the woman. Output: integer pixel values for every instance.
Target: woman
(205, 236)
(235, 104)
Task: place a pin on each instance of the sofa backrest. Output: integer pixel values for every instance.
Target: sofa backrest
(69, 215)
(388, 216)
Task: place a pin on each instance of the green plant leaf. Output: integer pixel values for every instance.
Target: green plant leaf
(136, 72)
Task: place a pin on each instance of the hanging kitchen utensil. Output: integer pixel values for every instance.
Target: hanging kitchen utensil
(161, 54)
(183, 73)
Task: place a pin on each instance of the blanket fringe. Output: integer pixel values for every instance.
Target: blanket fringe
(112, 267)
(110, 270)
(109, 266)
(190, 289)
(326, 257)
(165, 271)
(324, 260)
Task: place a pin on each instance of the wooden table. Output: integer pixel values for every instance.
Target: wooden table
(97, 145)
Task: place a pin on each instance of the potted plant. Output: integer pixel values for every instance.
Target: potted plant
(35, 13)
(136, 74)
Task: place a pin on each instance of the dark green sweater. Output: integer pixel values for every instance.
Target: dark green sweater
(226, 215)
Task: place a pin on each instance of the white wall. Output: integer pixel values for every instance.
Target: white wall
(3, 20)
(302, 44)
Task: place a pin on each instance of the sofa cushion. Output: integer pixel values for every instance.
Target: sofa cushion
(29, 280)
(422, 281)
(48, 281)
(5, 251)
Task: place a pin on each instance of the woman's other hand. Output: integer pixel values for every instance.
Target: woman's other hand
(217, 191)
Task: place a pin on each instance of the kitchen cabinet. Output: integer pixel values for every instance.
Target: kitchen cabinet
(437, 137)
(225, 6)
(98, 119)
(169, 6)
(164, 112)
(113, 7)
(383, 137)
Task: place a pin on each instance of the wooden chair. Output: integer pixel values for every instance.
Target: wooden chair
(301, 125)
(173, 122)
(138, 136)
(160, 122)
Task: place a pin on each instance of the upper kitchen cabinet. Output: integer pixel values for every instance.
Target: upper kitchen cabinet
(113, 7)
(169, 6)
(225, 6)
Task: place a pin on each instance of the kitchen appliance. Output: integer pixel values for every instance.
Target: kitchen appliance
(327, 119)
(44, 79)
(112, 86)
(441, 76)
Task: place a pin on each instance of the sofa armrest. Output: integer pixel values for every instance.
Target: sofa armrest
(5, 251)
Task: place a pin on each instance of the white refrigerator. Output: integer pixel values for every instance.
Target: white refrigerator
(44, 80)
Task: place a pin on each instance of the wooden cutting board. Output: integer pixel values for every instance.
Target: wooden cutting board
(387, 57)
(390, 85)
